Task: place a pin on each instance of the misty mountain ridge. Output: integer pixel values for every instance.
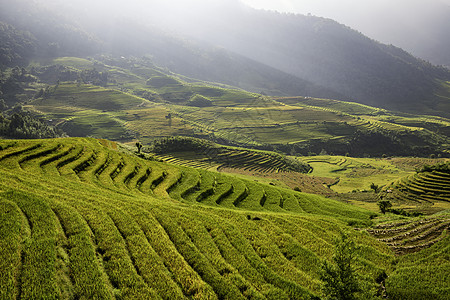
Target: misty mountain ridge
(227, 42)
(420, 27)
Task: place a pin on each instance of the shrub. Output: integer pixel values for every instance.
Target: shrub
(374, 187)
(139, 147)
(384, 205)
(402, 212)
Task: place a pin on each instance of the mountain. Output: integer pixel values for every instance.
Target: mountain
(55, 34)
(321, 51)
(419, 27)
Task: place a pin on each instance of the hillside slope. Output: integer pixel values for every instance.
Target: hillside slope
(79, 219)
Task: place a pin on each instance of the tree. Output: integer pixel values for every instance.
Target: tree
(169, 117)
(374, 187)
(384, 205)
(139, 147)
(339, 277)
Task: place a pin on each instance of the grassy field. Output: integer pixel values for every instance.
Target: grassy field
(361, 181)
(208, 155)
(360, 173)
(355, 173)
(86, 110)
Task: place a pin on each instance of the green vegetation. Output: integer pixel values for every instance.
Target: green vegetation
(199, 153)
(199, 101)
(356, 174)
(17, 46)
(85, 218)
(442, 167)
(217, 235)
(137, 96)
(424, 244)
(427, 189)
(340, 277)
(98, 223)
(24, 125)
(417, 275)
(384, 206)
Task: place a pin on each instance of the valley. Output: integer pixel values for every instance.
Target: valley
(233, 195)
(209, 150)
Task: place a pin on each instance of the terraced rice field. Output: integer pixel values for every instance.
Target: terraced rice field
(223, 157)
(422, 270)
(426, 189)
(410, 236)
(79, 220)
(422, 275)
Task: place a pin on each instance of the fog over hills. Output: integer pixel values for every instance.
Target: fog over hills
(229, 42)
(420, 27)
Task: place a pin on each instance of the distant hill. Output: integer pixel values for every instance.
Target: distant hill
(16, 46)
(419, 27)
(142, 102)
(54, 34)
(260, 51)
(321, 51)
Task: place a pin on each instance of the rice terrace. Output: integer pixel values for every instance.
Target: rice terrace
(95, 222)
(218, 149)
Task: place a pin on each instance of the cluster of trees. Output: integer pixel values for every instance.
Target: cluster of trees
(199, 101)
(15, 82)
(59, 73)
(51, 74)
(23, 125)
(376, 142)
(93, 76)
(340, 278)
(180, 144)
(441, 167)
